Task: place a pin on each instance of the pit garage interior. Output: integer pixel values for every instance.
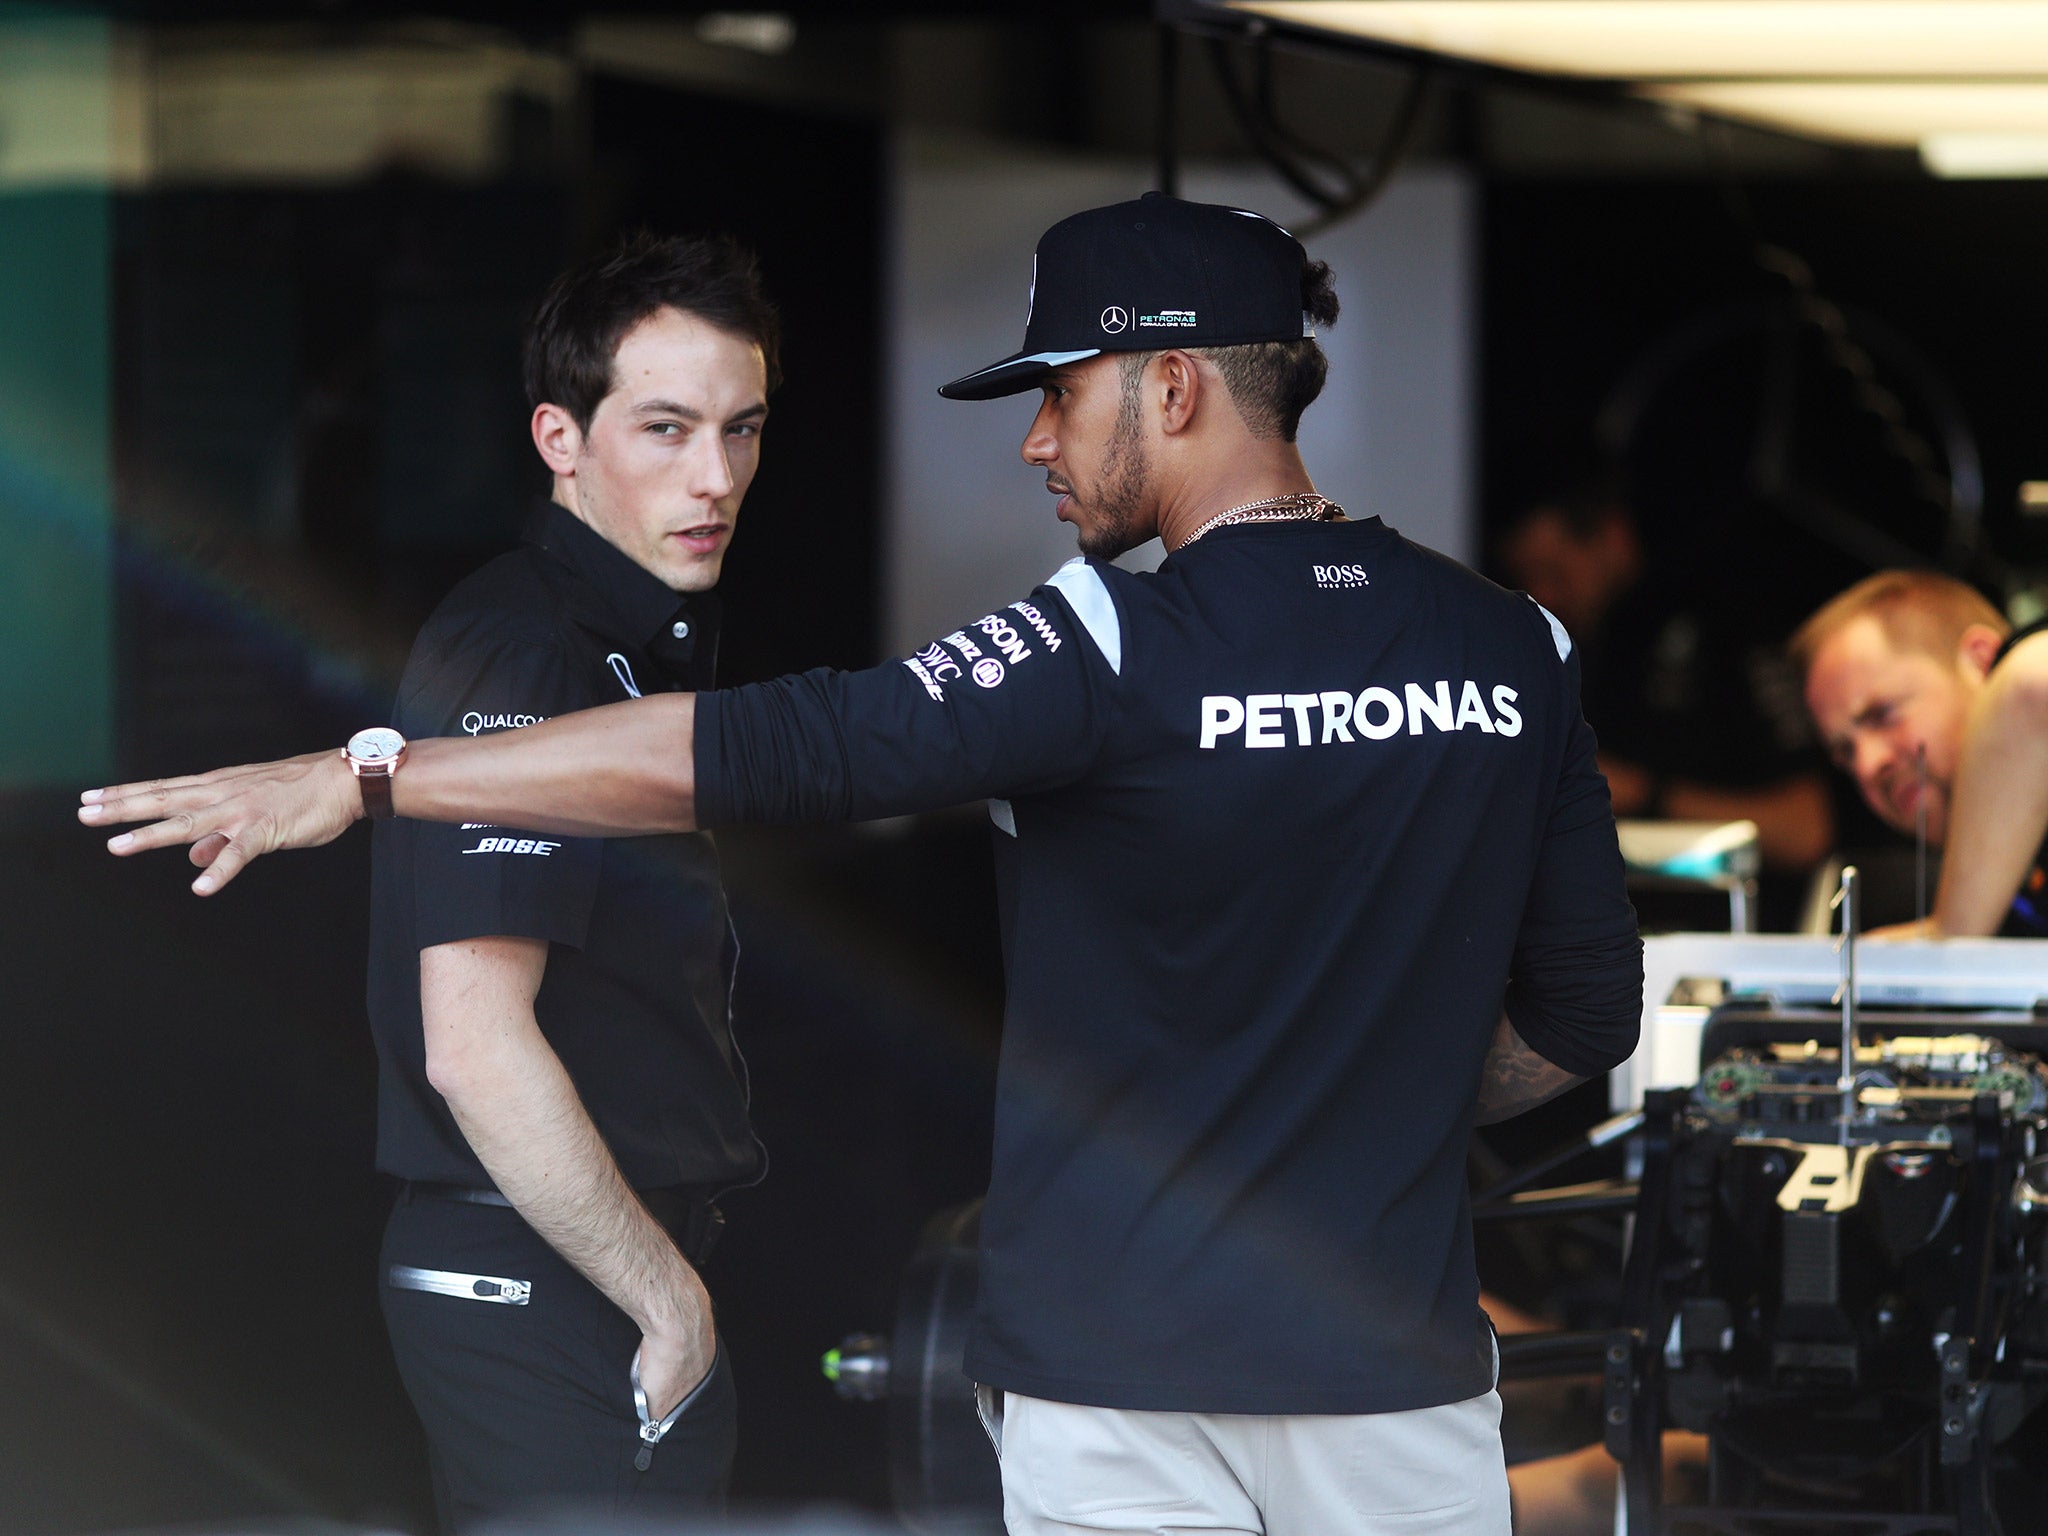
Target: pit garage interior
(264, 269)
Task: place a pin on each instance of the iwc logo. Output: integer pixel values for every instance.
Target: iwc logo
(1115, 318)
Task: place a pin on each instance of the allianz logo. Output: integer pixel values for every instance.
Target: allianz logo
(1339, 576)
(1320, 719)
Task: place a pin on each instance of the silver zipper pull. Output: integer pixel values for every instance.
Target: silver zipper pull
(651, 1430)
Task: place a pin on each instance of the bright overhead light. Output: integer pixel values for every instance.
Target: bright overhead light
(1699, 39)
(1884, 113)
(767, 32)
(1982, 156)
(1965, 80)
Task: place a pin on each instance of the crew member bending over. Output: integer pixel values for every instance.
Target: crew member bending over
(1924, 695)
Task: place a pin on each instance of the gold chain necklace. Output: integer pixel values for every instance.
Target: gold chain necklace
(1297, 506)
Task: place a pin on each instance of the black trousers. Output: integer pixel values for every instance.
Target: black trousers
(529, 1409)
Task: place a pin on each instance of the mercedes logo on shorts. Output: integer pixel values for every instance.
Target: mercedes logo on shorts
(1115, 318)
(988, 671)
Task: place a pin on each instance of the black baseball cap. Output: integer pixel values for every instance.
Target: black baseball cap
(1145, 275)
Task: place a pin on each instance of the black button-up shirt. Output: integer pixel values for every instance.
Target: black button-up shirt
(641, 953)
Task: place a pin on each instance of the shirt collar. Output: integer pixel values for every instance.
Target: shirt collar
(629, 598)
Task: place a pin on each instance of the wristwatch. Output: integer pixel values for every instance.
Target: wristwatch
(373, 756)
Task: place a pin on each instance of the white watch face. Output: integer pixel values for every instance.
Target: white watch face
(378, 744)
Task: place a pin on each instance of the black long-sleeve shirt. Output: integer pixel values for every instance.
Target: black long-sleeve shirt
(1281, 827)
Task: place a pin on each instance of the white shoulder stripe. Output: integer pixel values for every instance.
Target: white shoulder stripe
(1082, 586)
(1558, 637)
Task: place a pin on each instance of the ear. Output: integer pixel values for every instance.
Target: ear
(558, 438)
(1179, 384)
(1978, 648)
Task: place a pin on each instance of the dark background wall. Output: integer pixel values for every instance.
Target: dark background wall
(1934, 281)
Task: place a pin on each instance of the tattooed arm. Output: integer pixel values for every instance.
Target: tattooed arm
(1515, 1078)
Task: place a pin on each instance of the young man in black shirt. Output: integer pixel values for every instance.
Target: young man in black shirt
(1304, 862)
(558, 1081)
(1925, 696)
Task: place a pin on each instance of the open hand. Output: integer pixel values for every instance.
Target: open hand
(232, 815)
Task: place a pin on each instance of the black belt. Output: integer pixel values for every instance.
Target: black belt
(684, 1211)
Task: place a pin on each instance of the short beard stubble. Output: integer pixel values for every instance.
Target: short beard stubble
(1125, 471)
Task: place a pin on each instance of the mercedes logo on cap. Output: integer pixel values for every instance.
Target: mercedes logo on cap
(1115, 319)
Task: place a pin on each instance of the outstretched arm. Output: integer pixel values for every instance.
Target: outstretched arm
(616, 771)
(1515, 1078)
(1998, 808)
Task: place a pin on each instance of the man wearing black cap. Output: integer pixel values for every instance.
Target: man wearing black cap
(1304, 866)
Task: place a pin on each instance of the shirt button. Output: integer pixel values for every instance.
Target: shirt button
(680, 630)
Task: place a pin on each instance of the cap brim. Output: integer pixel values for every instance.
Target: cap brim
(1013, 375)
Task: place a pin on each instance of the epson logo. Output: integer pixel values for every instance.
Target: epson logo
(1337, 576)
(1004, 637)
(1320, 719)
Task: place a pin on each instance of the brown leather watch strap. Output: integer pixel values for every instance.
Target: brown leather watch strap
(376, 786)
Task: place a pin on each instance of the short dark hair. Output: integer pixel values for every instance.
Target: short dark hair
(589, 309)
(1272, 382)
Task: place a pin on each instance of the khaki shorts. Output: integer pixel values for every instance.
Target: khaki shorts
(1069, 1468)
